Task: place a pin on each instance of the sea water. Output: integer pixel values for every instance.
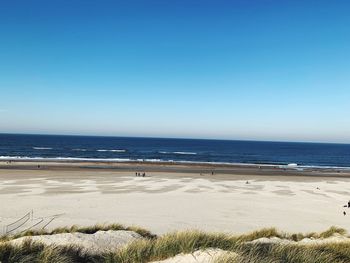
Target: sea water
(119, 149)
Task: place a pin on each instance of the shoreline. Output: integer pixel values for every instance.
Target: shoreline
(176, 167)
(167, 162)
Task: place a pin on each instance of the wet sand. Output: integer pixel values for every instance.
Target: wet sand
(175, 197)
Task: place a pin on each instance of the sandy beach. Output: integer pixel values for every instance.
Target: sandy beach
(174, 197)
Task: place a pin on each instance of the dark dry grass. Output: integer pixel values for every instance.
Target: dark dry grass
(157, 248)
(30, 252)
(321, 253)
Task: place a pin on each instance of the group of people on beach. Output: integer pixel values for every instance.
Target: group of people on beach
(348, 206)
(140, 174)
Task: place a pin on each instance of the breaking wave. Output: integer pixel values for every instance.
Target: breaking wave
(42, 148)
(180, 153)
(113, 150)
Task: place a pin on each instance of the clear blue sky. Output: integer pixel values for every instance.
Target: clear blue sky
(264, 70)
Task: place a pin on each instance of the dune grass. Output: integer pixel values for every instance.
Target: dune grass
(170, 245)
(153, 248)
(31, 252)
(273, 232)
(320, 253)
(331, 231)
(87, 230)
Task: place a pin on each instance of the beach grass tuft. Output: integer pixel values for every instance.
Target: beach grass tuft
(332, 231)
(36, 252)
(170, 245)
(81, 229)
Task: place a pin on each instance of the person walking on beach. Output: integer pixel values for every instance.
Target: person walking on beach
(348, 203)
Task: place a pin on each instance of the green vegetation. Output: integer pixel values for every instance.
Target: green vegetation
(157, 248)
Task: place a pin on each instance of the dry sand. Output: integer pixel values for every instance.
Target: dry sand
(167, 200)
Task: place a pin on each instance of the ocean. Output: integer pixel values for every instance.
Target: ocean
(119, 149)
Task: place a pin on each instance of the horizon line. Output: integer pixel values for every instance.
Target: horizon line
(173, 138)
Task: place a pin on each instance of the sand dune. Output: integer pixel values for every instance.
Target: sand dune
(99, 242)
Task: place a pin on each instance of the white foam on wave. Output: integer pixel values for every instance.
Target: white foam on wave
(189, 153)
(80, 150)
(93, 159)
(112, 150)
(182, 153)
(12, 157)
(154, 160)
(324, 167)
(42, 148)
(25, 158)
